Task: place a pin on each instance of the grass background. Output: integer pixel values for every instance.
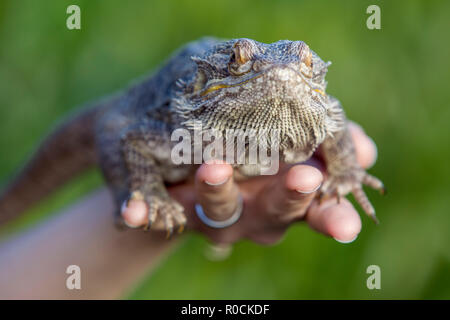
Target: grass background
(394, 81)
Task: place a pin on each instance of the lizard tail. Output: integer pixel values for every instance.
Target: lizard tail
(67, 151)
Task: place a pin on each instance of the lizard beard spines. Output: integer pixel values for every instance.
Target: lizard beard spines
(298, 126)
(335, 120)
(186, 111)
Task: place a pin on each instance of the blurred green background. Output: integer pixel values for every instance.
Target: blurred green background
(393, 81)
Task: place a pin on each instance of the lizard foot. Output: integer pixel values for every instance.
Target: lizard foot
(163, 213)
(339, 185)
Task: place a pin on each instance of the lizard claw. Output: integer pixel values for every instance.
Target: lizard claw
(340, 184)
(338, 196)
(169, 233)
(321, 197)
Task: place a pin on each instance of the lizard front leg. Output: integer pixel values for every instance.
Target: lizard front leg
(345, 175)
(146, 183)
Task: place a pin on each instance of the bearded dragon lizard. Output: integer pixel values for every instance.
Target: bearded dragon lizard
(234, 84)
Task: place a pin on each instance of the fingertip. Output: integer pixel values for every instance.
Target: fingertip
(135, 213)
(304, 178)
(339, 221)
(366, 149)
(343, 226)
(214, 174)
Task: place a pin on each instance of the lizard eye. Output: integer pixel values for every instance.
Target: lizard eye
(306, 63)
(308, 59)
(241, 58)
(306, 66)
(302, 51)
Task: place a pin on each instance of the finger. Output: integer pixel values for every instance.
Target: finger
(216, 191)
(366, 149)
(135, 213)
(340, 221)
(289, 196)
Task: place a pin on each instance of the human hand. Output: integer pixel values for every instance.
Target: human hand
(271, 203)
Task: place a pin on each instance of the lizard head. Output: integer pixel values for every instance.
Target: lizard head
(244, 84)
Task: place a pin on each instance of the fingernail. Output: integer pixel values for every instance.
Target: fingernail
(130, 225)
(309, 192)
(349, 241)
(216, 184)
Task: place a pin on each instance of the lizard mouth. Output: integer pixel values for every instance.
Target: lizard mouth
(306, 80)
(215, 87)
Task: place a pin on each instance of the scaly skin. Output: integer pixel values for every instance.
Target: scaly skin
(236, 84)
